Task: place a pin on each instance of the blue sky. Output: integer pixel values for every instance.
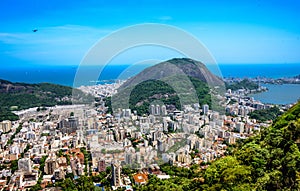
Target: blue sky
(234, 31)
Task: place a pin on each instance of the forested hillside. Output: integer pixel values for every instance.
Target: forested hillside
(146, 92)
(143, 94)
(18, 96)
(244, 84)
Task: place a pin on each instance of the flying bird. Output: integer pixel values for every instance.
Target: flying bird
(34, 30)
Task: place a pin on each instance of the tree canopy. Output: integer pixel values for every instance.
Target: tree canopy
(244, 84)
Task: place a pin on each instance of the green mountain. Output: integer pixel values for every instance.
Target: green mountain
(18, 96)
(174, 83)
(175, 67)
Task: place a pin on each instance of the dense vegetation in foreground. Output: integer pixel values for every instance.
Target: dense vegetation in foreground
(18, 96)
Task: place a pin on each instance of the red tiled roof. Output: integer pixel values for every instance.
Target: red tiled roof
(139, 178)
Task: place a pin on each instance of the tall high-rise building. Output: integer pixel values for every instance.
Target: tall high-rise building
(191, 119)
(138, 158)
(146, 143)
(69, 126)
(101, 165)
(127, 112)
(196, 106)
(25, 164)
(154, 135)
(116, 173)
(157, 110)
(163, 110)
(129, 158)
(152, 110)
(5, 126)
(50, 165)
(240, 126)
(205, 109)
(160, 144)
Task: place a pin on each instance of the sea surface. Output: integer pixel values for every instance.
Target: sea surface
(64, 75)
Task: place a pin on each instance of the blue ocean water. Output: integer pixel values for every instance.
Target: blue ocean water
(64, 75)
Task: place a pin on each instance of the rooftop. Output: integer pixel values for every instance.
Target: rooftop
(140, 178)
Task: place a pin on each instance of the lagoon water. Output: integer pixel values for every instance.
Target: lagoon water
(279, 94)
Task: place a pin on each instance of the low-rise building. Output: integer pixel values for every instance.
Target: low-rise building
(140, 179)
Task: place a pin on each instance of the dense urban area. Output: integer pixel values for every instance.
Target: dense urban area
(76, 147)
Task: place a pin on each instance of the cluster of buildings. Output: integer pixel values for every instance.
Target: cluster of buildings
(56, 141)
(239, 104)
(102, 90)
(31, 146)
(266, 80)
